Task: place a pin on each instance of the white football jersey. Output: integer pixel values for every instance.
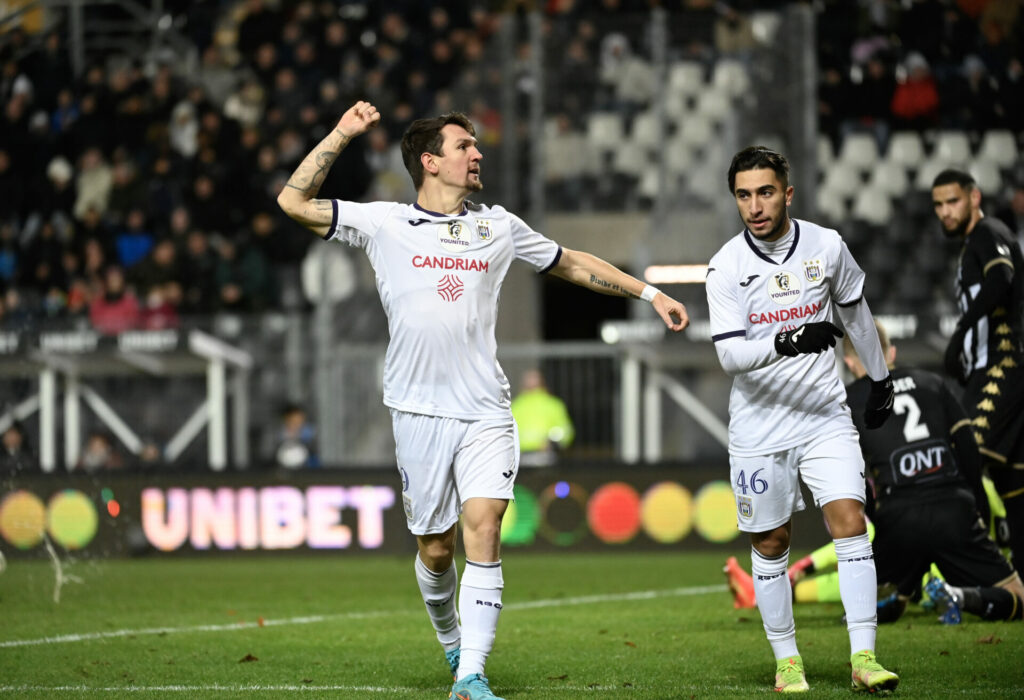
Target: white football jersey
(792, 400)
(439, 277)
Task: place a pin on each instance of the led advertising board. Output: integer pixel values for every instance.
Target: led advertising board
(118, 514)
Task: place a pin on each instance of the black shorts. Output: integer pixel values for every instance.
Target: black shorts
(994, 399)
(910, 535)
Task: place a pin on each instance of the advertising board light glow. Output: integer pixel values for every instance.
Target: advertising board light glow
(274, 517)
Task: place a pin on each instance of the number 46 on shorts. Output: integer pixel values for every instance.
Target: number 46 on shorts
(756, 484)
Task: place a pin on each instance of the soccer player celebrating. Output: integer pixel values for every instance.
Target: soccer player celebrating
(930, 503)
(439, 266)
(771, 291)
(986, 351)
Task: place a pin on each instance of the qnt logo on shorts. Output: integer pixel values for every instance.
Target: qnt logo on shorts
(450, 288)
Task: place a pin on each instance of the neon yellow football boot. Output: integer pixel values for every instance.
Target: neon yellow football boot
(869, 675)
(789, 676)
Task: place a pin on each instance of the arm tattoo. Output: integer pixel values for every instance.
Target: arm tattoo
(312, 172)
(611, 287)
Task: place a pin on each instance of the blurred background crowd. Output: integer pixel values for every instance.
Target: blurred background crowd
(138, 192)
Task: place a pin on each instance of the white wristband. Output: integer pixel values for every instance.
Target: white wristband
(649, 293)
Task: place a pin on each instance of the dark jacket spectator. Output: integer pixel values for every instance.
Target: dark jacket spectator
(126, 192)
(159, 270)
(15, 455)
(243, 278)
(197, 264)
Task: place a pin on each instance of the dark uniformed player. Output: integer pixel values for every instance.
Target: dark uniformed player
(986, 352)
(926, 469)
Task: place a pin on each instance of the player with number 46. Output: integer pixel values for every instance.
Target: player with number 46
(772, 292)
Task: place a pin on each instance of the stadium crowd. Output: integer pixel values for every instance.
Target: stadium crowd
(137, 194)
(921, 65)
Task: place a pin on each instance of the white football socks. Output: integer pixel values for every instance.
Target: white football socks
(775, 601)
(858, 588)
(479, 606)
(438, 591)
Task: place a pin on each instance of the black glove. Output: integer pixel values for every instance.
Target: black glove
(954, 359)
(810, 337)
(879, 405)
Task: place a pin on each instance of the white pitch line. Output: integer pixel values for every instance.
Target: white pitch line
(202, 688)
(615, 597)
(1015, 691)
(311, 619)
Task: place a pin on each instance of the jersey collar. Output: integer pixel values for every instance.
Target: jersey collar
(760, 254)
(465, 210)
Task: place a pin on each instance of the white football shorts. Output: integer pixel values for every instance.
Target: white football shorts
(767, 487)
(446, 461)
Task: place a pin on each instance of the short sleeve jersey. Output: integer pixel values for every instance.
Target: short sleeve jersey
(991, 243)
(439, 278)
(752, 296)
(912, 449)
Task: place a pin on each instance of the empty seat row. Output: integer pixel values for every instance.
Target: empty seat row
(906, 148)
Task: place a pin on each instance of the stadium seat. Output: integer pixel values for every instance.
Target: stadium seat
(952, 146)
(604, 131)
(905, 148)
(564, 155)
(872, 205)
(987, 175)
(714, 104)
(842, 179)
(648, 187)
(714, 159)
(826, 153)
(831, 206)
(679, 155)
(644, 131)
(1000, 147)
(630, 159)
(696, 132)
(686, 78)
(677, 108)
(730, 76)
(927, 172)
(890, 177)
(859, 150)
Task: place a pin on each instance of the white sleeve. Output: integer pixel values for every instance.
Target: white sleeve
(861, 327)
(736, 354)
(848, 278)
(739, 356)
(355, 222)
(534, 248)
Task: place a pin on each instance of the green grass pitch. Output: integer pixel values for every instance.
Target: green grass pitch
(599, 626)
